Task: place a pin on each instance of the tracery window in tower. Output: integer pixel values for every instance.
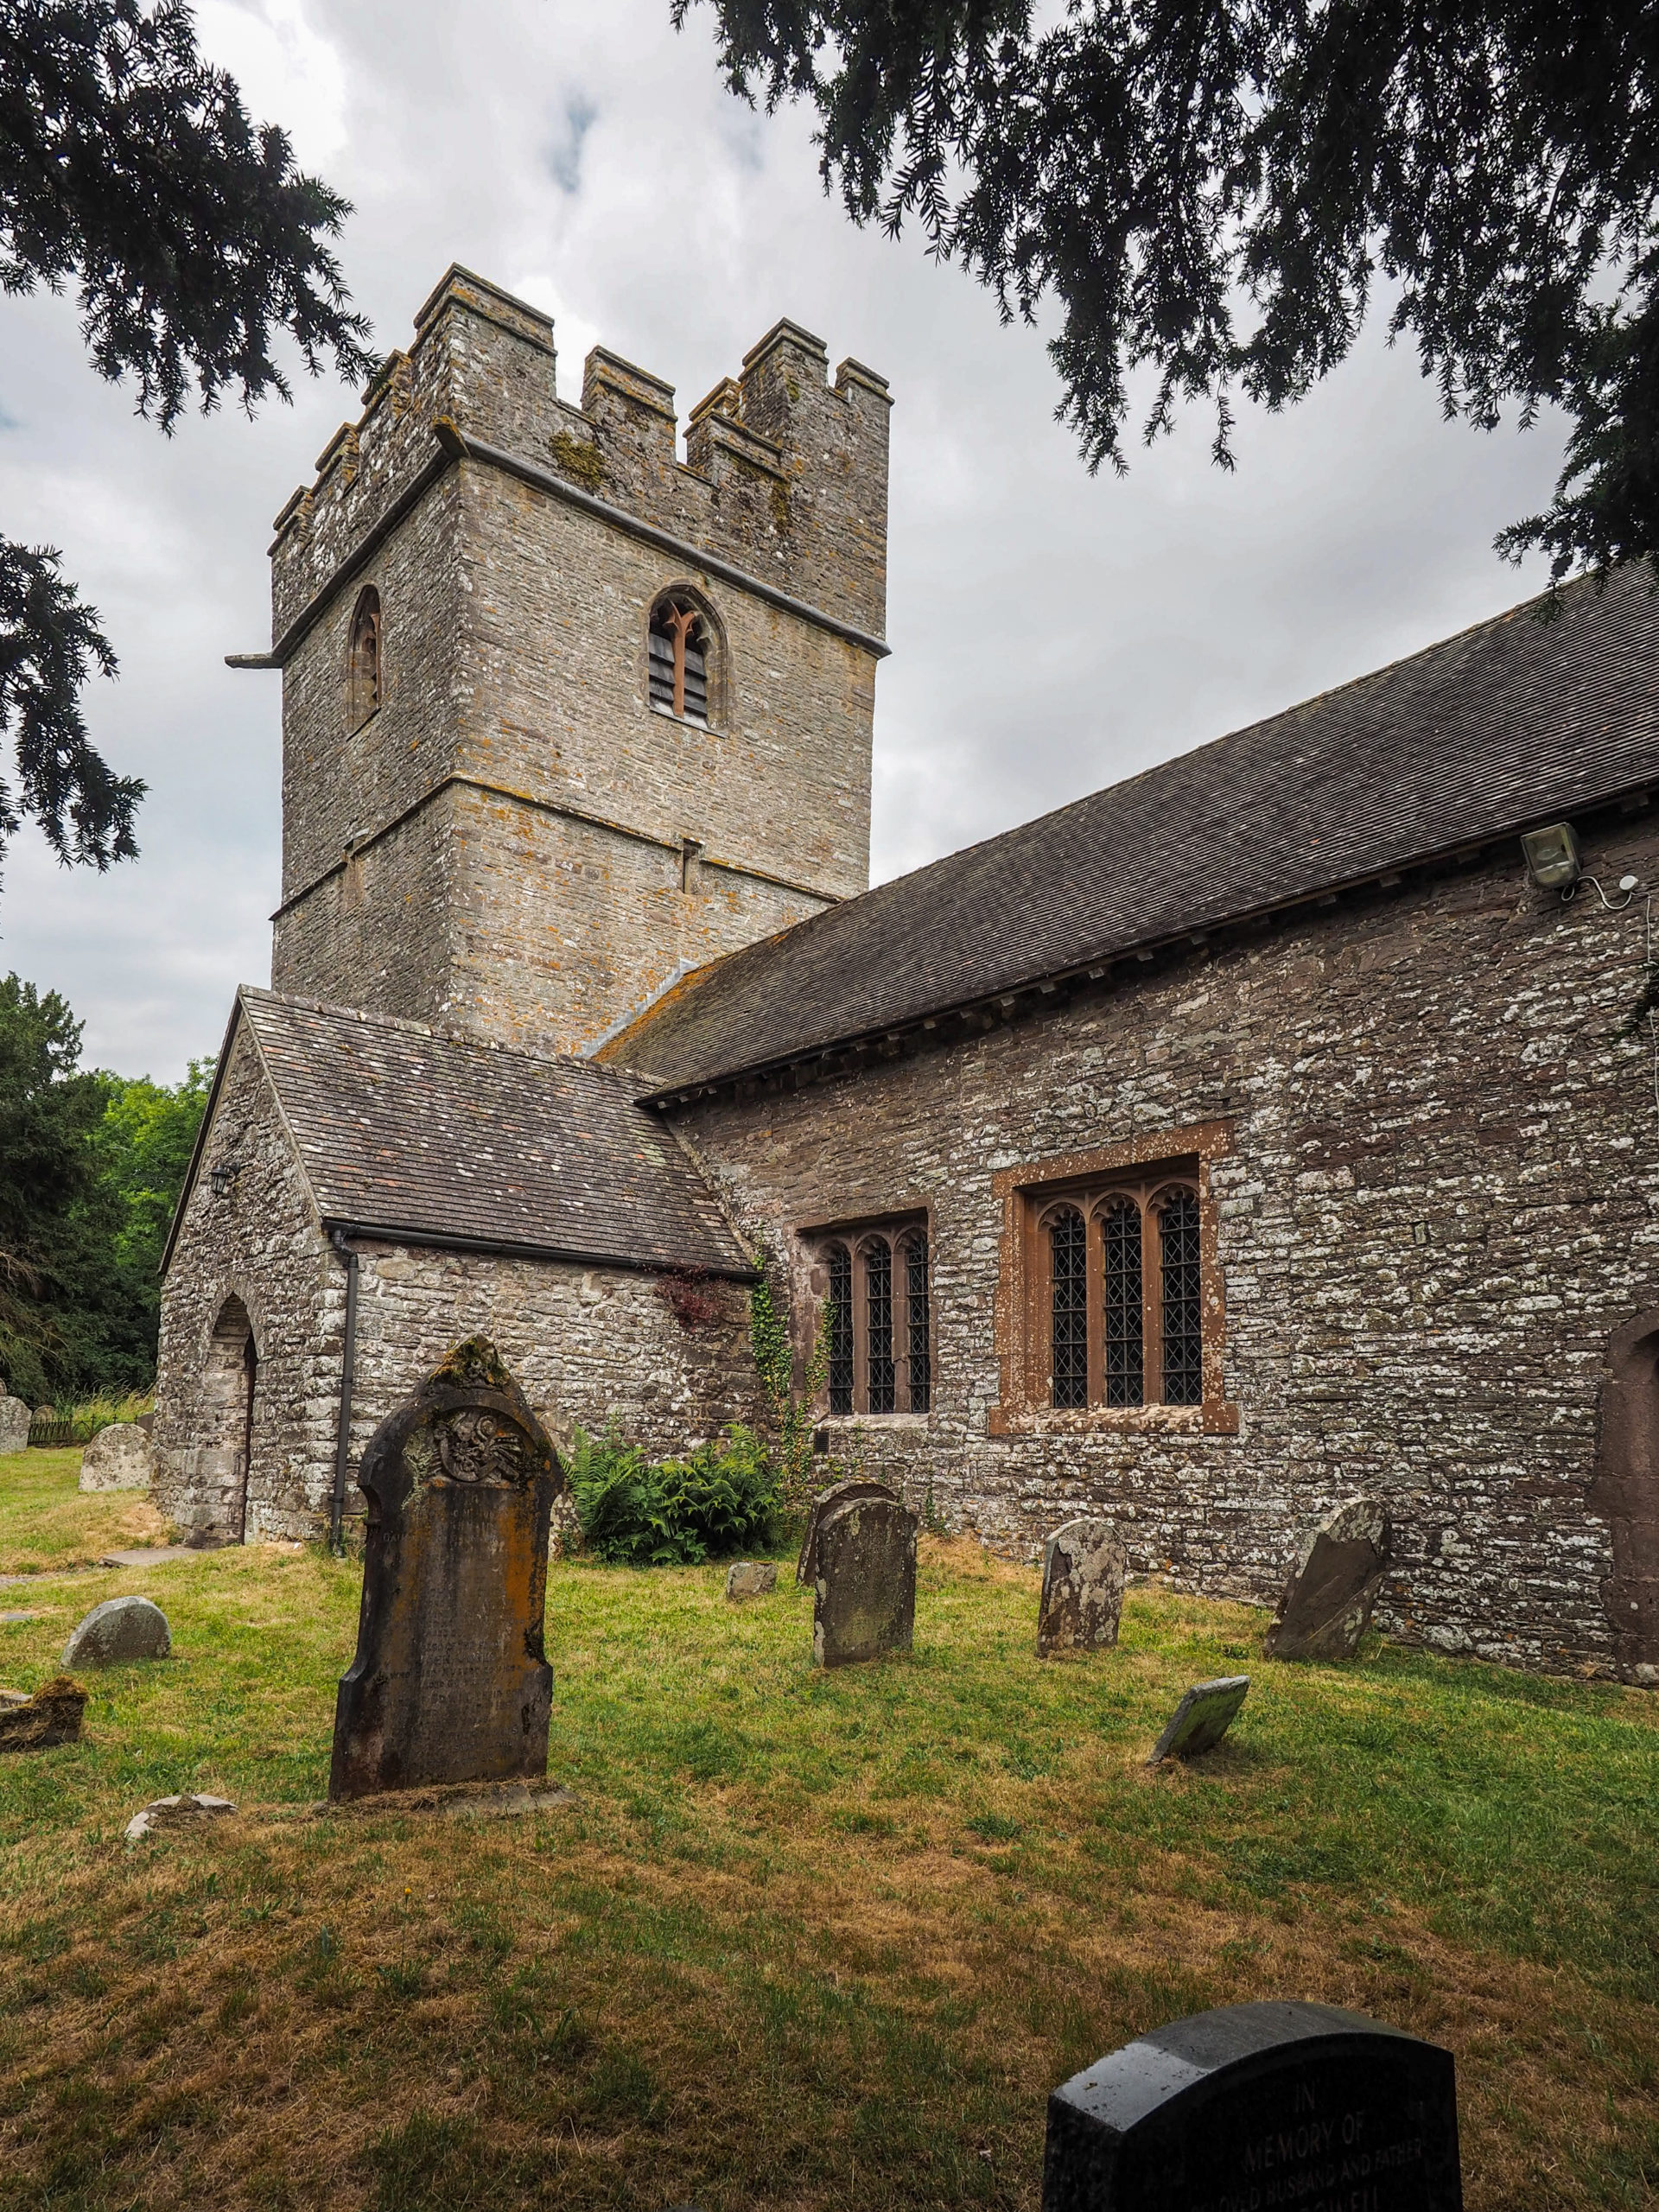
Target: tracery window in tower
(363, 664)
(919, 1333)
(878, 1342)
(679, 649)
(840, 1261)
(1123, 1346)
(1183, 1329)
(1068, 1249)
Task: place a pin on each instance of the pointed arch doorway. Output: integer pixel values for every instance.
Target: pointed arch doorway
(229, 1384)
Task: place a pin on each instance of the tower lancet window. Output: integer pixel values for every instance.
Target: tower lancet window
(364, 672)
(679, 650)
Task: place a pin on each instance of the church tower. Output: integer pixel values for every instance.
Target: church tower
(562, 715)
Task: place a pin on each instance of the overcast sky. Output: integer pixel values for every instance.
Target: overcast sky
(1052, 632)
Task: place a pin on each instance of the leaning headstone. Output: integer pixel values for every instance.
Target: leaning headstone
(806, 1567)
(1282, 2103)
(865, 1588)
(1201, 1719)
(1326, 1606)
(1084, 1568)
(450, 1682)
(750, 1577)
(14, 1424)
(119, 1458)
(51, 1716)
(185, 1812)
(121, 1628)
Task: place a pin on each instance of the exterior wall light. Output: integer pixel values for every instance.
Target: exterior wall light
(1553, 856)
(223, 1176)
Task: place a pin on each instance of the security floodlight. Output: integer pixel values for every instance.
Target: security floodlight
(1553, 856)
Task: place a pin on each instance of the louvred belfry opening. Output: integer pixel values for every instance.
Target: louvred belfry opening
(679, 660)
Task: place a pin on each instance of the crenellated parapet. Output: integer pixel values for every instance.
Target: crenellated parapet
(785, 474)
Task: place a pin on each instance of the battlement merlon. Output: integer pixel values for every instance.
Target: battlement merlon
(785, 474)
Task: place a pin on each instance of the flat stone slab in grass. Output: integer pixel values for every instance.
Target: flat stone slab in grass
(1201, 1719)
(806, 1567)
(1326, 1606)
(119, 1458)
(185, 1812)
(51, 1716)
(865, 1590)
(120, 1629)
(1084, 1567)
(14, 1424)
(750, 1577)
(450, 1682)
(154, 1554)
(1282, 2103)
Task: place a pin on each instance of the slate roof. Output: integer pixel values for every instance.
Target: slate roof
(402, 1129)
(1512, 723)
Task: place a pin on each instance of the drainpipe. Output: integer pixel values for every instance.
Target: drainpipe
(347, 1376)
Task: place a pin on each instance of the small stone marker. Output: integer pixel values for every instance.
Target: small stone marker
(185, 1812)
(750, 1577)
(450, 1682)
(1201, 1719)
(121, 1628)
(1257, 2105)
(1084, 1567)
(119, 1458)
(865, 1588)
(806, 1567)
(51, 1716)
(14, 1424)
(1326, 1606)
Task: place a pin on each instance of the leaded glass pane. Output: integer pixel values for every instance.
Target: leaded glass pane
(1070, 1248)
(1177, 1234)
(840, 1328)
(877, 1305)
(1120, 1235)
(921, 1362)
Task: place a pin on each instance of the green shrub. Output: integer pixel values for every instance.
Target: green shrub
(717, 1500)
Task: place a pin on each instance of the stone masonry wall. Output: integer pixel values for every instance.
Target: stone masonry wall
(584, 1343)
(1439, 1202)
(514, 658)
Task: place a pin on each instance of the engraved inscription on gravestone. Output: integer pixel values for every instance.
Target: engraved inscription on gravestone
(449, 1683)
(1255, 2107)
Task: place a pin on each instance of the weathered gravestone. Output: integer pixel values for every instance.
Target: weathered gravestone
(120, 1629)
(450, 1683)
(119, 1458)
(1326, 1606)
(1201, 1719)
(1084, 1568)
(1280, 2104)
(806, 1567)
(750, 1577)
(865, 1587)
(14, 1423)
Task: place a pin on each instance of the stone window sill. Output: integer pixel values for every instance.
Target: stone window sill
(684, 722)
(1219, 1418)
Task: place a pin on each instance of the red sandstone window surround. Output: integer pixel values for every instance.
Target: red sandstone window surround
(874, 1279)
(1109, 1310)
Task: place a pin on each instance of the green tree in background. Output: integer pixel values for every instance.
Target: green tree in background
(91, 1166)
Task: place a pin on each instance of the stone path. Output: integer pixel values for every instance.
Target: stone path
(156, 1555)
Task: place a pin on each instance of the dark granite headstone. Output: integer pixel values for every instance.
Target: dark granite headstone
(865, 1588)
(1326, 1606)
(1201, 1719)
(806, 1567)
(1257, 2106)
(449, 1683)
(1083, 1567)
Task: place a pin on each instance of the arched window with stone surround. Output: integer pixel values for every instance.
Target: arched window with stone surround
(364, 671)
(680, 646)
(1122, 1285)
(1181, 1298)
(1068, 1245)
(919, 1321)
(840, 1262)
(877, 1255)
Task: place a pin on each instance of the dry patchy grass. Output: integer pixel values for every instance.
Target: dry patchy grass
(46, 1523)
(803, 1940)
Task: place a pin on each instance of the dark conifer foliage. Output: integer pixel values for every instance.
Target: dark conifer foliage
(130, 167)
(1214, 192)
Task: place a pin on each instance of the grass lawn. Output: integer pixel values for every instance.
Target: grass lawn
(803, 1940)
(46, 1523)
